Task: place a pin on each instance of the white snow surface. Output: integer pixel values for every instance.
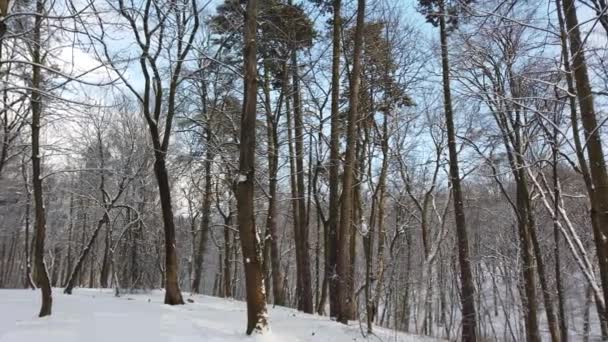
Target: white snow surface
(92, 315)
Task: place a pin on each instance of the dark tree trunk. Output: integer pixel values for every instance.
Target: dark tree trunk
(597, 164)
(331, 246)
(173, 295)
(467, 296)
(42, 276)
(105, 264)
(257, 319)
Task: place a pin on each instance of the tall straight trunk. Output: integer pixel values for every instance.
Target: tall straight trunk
(331, 245)
(368, 241)
(295, 204)
(346, 210)
(467, 293)
(380, 203)
(580, 154)
(271, 221)
(250, 241)
(206, 213)
(42, 276)
(592, 134)
(306, 299)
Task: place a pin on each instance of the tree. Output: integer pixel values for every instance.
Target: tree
(595, 154)
(257, 320)
(346, 227)
(41, 273)
(180, 21)
(437, 11)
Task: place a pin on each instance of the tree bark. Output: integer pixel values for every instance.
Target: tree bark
(173, 295)
(331, 246)
(592, 134)
(257, 319)
(42, 276)
(271, 221)
(305, 302)
(346, 211)
(467, 296)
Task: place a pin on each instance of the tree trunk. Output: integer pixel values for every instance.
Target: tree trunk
(71, 283)
(467, 296)
(346, 210)
(561, 301)
(271, 221)
(29, 282)
(173, 295)
(206, 212)
(105, 264)
(294, 195)
(227, 253)
(597, 164)
(331, 246)
(305, 302)
(257, 319)
(42, 276)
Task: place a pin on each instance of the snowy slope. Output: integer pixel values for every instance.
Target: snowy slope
(98, 316)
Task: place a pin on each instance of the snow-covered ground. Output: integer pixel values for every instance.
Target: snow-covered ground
(99, 316)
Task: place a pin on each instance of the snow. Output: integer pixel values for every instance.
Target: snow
(93, 315)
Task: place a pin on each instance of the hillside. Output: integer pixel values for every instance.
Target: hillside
(97, 315)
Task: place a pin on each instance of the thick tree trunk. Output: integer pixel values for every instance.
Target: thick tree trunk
(467, 296)
(346, 211)
(592, 134)
(173, 295)
(257, 319)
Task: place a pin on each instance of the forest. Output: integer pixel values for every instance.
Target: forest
(431, 167)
